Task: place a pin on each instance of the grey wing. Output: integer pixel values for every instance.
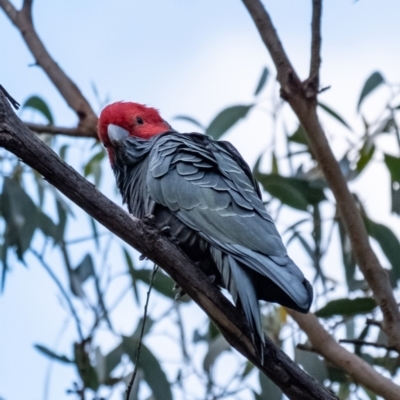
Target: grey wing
(210, 192)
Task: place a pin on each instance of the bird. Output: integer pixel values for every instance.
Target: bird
(201, 193)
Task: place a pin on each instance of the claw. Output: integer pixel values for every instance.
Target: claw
(165, 229)
(143, 257)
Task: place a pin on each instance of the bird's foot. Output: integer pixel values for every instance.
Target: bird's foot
(150, 219)
(143, 257)
(180, 293)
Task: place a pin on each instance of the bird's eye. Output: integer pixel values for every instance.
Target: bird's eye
(139, 120)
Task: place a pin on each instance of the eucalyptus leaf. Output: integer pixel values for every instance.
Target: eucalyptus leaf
(334, 114)
(215, 347)
(294, 192)
(132, 273)
(262, 81)
(226, 119)
(51, 354)
(347, 307)
(370, 85)
(191, 120)
(312, 364)
(269, 391)
(152, 371)
(38, 104)
(393, 165)
(388, 242)
(85, 368)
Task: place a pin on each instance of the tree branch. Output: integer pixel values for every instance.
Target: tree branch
(293, 91)
(361, 372)
(56, 130)
(23, 21)
(315, 62)
(358, 342)
(18, 139)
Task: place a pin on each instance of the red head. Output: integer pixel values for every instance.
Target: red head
(136, 119)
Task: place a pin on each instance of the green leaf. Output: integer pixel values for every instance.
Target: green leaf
(349, 260)
(226, 119)
(312, 364)
(191, 120)
(334, 114)
(162, 283)
(366, 153)
(347, 307)
(262, 81)
(49, 353)
(20, 214)
(299, 136)
(388, 241)
(63, 151)
(153, 374)
(215, 347)
(147, 327)
(113, 358)
(85, 268)
(39, 105)
(93, 167)
(370, 394)
(95, 232)
(80, 274)
(274, 167)
(370, 85)
(86, 370)
(247, 369)
(269, 391)
(47, 226)
(132, 273)
(393, 165)
(294, 192)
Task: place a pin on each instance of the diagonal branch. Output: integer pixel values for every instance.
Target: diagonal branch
(18, 139)
(23, 21)
(304, 106)
(360, 371)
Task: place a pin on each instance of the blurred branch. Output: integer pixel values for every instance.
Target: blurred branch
(361, 372)
(358, 342)
(142, 235)
(60, 130)
(315, 62)
(296, 93)
(23, 21)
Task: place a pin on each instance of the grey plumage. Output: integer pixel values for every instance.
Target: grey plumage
(205, 192)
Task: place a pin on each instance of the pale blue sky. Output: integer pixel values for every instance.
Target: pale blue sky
(182, 57)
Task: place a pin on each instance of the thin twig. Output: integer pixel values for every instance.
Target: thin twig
(23, 21)
(358, 342)
(62, 290)
(61, 130)
(315, 61)
(132, 380)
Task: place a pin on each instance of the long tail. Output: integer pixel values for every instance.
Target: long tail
(250, 276)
